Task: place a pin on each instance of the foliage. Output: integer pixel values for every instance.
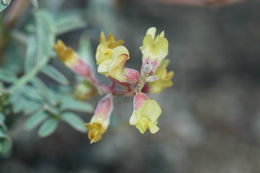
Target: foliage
(23, 90)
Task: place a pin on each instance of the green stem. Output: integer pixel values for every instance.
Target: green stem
(28, 76)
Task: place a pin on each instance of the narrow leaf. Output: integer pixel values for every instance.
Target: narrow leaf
(48, 127)
(31, 58)
(85, 51)
(75, 121)
(69, 23)
(72, 104)
(54, 74)
(7, 76)
(35, 120)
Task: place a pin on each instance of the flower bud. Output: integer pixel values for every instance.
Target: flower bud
(71, 59)
(85, 90)
(100, 121)
(132, 76)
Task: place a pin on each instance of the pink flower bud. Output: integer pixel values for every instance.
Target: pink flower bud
(132, 76)
(81, 68)
(100, 121)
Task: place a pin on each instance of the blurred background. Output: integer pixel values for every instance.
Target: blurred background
(211, 116)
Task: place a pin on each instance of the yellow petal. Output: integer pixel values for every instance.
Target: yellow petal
(164, 78)
(95, 131)
(154, 47)
(146, 116)
(66, 54)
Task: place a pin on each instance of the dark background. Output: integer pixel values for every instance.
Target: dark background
(211, 117)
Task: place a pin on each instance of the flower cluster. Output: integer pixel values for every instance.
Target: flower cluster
(111, 57)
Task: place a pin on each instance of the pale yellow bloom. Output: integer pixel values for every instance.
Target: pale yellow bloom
(164, 78)
(145, 114)
(154, 48)
(111, 57)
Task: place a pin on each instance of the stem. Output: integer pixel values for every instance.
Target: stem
(28, 76)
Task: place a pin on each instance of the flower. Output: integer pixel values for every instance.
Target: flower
(146, 113)
(71, 59)
(154, 48)
(85, 90)
(163, 78)
(100, 121)
(111, 57)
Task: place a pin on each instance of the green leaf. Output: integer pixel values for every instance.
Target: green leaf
(35, 120)
(54, 74)
(72, 104)
(85, 51)
(69, 23)
(7, 76)
(45, 33)
(75, 121)
(44, 91)
(48, 127)
(30, 92)
(31, 60)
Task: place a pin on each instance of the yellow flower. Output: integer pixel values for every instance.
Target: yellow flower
(67, 55)
(164, 78)
(111, 57)
(154, 48)
(146, 113)
(100, 121)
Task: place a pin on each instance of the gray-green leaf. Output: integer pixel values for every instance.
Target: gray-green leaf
(7, 76)
(48, 127)
(69, 23)
(75, 121)
(72, 104)
(54, 74)
(35, 120)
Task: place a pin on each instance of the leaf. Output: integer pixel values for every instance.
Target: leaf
(69, 23)
(7, 76)
(35, 120)
(54, 74)
(45, 92)
(75, 121)
(31, 58)
(85, 51)
(30, 92)
(72, 104)
(48, 127)
(45, 33)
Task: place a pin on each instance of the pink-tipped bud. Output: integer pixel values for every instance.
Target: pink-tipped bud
(100, 121)
(132, 76)
(81, 68)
